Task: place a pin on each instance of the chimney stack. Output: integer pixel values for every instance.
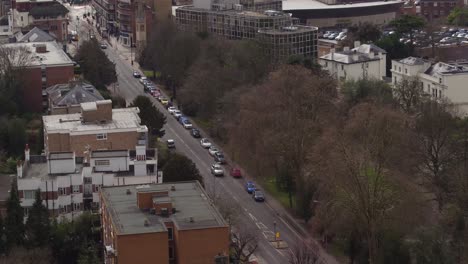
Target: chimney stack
(357, 44)
(26, 153)
(19, 169)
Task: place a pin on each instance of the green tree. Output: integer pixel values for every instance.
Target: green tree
(88, 254)
(14, 222)
(2, 237)
(180, 168)
(365, 32)
(150, 115)
(361, 90)
(458, 17)
(37, 224)
(405, 24)
(395, 49)
(96, 67)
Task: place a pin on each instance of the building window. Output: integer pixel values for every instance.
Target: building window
(394, 67)
(102, 162)
(88, 180)
(406, 71)
(326, 64)
(395, 80)
(21, 18)
(102, 136)
(76, 188)
(170, 233)
(76, 207)
(171, 253)
(342, 67)
(61, 191)
(399, 69)
(440, 80)
(97, 187)
(29, 194)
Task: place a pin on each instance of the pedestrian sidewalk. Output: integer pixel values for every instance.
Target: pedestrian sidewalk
(124, 52)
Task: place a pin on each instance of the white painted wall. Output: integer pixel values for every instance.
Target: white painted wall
(115, 164)
(61, 166)
(354, 71)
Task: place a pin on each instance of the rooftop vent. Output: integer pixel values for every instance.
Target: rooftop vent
(147, 222)
(164, 212)
(191, 219)
(152, 211)
(173, 188)
(129, 192)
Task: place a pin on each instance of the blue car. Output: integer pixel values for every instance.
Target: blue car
(250, 187)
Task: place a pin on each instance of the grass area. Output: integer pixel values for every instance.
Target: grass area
(149, 74)
(270, 186)
(203, 124)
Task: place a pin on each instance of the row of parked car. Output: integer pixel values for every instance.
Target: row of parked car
(334, 35)
(216, 168)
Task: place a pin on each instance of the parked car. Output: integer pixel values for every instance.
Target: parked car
(143, 79)
(195, 133)
(219, 157)
(212, 150)
(103, 46)
(236, 173)
(136, 74)
(217, 170)
(204, 142)
(155, 93)
(327, 34)
(171, 109)
(250, 187)
(170, 143)
(333, 36)
(164, 101)
(186, 123)
(177, 114)
(258, 196)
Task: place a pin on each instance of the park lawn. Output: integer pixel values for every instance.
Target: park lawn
(149, 74)
(270, 186)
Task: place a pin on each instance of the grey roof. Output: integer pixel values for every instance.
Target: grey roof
(412, 61)
(189, 199)
(54, 10)
(356, 55)
(73, 93)
(441, 68)
(36, 35)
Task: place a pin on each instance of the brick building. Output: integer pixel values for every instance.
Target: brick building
(50, 16)
(435, 9)
(97, 127)
(166, 223)
(48, 65)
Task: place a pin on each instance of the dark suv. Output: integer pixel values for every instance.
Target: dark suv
(195, 133)
(219, 157)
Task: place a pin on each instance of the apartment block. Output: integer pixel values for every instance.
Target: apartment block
(96, 127)
(48, 65)
(363, 61)
(68, 186)
(162, 223)
(276, 31)
(435, 9)
(439, 80)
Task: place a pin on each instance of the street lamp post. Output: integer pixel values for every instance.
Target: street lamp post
(131, 50)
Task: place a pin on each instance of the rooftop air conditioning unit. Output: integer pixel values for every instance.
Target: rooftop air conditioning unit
(164, 212)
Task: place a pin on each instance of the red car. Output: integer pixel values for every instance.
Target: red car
(236, 173)
(155, 93)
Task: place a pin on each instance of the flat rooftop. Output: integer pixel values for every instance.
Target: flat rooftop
(40, 171)
(289, 30)
(53, 56)
(189, 199)
(122, 119)
(313, 4)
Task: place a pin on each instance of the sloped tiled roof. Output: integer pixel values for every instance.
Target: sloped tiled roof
(442, 68)
(73, 93)
(412, 61)
(36, 35)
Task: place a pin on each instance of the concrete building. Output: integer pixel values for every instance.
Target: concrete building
(97, 127)
(66, 98)
(164, 223)
(363, 61)
(69, 186)
(276, 31)
(125, 18)
(50, 16)
(439, 80)
(342, 14)
(47, 65)
(105, 16)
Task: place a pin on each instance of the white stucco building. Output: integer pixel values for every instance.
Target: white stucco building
(363, 61)
(67, 187)
(439, 80)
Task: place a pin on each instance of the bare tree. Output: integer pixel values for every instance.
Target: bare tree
(437, 149)
(244, 243)
(409, 93)
(303, 253)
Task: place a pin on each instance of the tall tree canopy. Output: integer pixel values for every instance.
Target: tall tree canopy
(150, 115)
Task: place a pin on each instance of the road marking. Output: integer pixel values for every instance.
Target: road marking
(262, 226)
(253, 217)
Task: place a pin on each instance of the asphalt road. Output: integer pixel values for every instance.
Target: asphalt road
(262, 217)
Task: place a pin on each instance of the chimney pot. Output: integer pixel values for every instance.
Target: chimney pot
(19, 169)
(191, 219)
(173, 188)
(26, 153)
(129, 192)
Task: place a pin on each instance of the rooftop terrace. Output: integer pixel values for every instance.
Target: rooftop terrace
(194, 209)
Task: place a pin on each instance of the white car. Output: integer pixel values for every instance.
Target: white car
(177, 114)
(143, 79)
(171, 109)
(186, 124)
(212, 150)
(217, 170)
(205, 143)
